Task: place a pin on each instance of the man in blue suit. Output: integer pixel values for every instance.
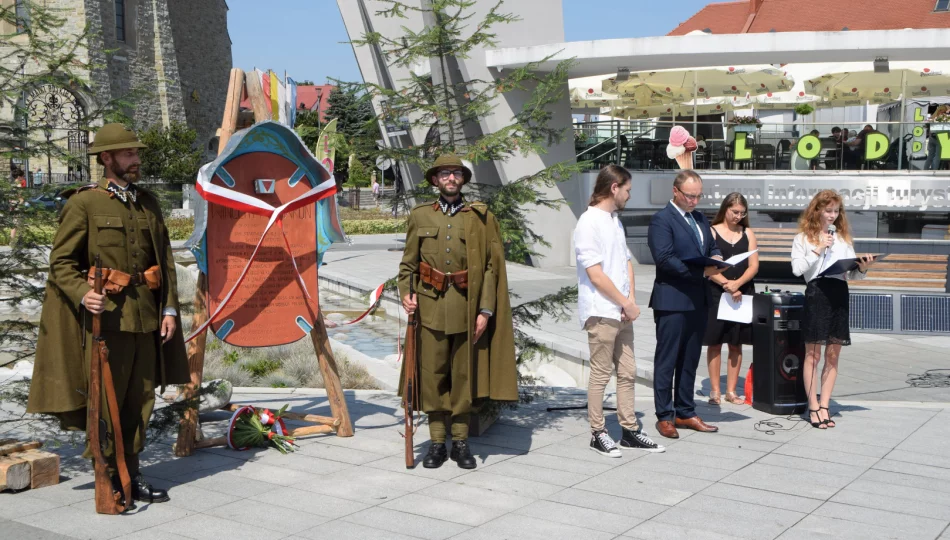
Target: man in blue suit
(679, 232)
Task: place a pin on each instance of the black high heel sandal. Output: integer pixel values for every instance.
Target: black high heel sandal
(829, 422)
(819, 424)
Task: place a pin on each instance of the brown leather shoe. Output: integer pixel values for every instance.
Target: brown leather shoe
(695, 423)
(667, 429)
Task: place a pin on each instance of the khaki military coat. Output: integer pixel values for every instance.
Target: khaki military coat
(87, 227)
(493, 371)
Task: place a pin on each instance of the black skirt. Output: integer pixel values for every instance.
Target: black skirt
(826, 317)
(719, 332)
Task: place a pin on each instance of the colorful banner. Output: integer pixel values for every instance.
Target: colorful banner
(329, 229)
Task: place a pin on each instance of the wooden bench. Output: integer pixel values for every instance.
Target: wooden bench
(924, 272)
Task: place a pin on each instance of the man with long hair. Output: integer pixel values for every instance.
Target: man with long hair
(678, 233)
(122, 224)
(607, 308)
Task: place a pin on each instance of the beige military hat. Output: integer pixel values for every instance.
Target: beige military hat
(448, 160)
(114, 137)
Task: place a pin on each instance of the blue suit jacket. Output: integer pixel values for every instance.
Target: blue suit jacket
(678, 286)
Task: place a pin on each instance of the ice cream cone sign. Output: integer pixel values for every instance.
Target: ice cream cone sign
(681, 147)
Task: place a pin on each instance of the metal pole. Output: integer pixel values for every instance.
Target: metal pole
(695, 108)
(617, 140)
(900, 130)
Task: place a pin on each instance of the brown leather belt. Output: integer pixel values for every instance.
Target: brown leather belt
(113, 281)
(440, 281)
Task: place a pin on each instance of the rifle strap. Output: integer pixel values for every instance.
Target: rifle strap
(119, 446)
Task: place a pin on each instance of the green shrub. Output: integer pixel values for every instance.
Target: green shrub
(229, 358)
(260, 367)
(374, 226)
(180, 228)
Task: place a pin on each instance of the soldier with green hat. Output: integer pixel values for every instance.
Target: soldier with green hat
(122, 224)
(455, 258)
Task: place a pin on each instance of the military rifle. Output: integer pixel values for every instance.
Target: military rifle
(411, 381)
(108, 501)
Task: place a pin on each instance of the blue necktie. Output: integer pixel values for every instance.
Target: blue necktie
(692, 223)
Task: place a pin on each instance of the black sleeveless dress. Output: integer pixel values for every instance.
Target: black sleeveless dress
(729, 332)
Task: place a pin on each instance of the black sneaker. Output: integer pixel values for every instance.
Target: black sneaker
(601, 443)
(638, 440)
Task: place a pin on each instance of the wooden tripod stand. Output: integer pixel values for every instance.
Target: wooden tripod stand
(339, 421)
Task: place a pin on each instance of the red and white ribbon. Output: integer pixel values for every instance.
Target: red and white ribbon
(374, 299)
(243, 202)
(232, 425)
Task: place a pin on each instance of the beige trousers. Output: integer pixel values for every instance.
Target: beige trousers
(611, 348)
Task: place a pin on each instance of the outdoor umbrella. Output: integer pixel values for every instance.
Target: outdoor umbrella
(905, 80)
(680, 85)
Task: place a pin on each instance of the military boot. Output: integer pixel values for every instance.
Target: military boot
(143, 491)
(462, 455)
(436, 456)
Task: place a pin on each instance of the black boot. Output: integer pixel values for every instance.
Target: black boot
(117, 487)
(143, 491)
(462, 455)
(436, 456)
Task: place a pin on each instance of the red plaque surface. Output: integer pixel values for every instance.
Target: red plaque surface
(269, 307)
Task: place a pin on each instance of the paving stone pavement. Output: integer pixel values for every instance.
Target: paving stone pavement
(883, 472)
(875, 367)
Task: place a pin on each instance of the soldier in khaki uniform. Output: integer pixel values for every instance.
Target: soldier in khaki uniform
(455, 257)
(123, 224)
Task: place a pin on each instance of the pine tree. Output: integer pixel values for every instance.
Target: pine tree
(443, 105)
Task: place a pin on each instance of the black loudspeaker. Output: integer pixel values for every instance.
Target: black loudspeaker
(778, 353)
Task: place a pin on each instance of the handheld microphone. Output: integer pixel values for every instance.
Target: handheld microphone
(831, 231)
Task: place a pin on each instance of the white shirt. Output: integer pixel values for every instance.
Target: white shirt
(806, 263)
(599, 239)
(686, 219)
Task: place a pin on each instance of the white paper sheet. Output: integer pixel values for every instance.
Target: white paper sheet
(730, 310)
(736, 259)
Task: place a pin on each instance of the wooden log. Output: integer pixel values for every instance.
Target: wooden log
(232, 108)
(44, 467)
(256, 94)
(208, 443)
(331, 377)
(290, 415)
(310, 430)
(196, 359)
(19, 447)
(188, 428)
(14, 473)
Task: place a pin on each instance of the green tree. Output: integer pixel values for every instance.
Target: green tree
(351, 106)
(172, 154)
(308, 127)
(452, 107)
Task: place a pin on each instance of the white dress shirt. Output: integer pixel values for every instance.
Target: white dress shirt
(686, 219)
(599, 239)
(806, 263)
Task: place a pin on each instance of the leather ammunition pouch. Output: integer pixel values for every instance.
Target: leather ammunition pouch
(114, 281)
(440, 281)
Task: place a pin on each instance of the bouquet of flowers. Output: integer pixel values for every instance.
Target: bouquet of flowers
(250, 427)
(746, 120)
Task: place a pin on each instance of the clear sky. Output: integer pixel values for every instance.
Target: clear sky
(307, 37)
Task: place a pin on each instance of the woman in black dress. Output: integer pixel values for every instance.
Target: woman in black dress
(824, 238)
(733, 236)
